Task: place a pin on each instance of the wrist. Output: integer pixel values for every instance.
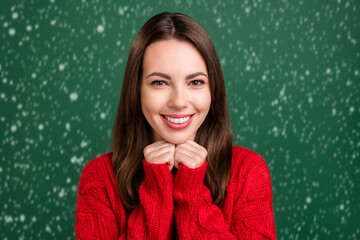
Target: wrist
(190, 180)
(157, 177)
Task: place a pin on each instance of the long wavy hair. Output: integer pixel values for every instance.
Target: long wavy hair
(131, 131)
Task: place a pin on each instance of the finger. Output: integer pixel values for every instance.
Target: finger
(166, 157)
(198, 148)
(171, 163)
(162, 149)
(190, 155)
(186, 150)
(190, 150)
(183, 158)
(155, 147)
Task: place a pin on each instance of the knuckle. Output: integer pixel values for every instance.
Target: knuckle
(146, 149)
(204, 152)
(149, 157)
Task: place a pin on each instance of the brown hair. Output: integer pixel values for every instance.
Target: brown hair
(132, 133)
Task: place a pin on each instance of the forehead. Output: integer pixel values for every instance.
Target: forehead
(173, 56)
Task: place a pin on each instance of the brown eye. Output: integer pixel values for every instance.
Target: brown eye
(197, 82)
(158, 83)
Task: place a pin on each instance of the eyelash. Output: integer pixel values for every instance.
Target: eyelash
(199, 82)
(162, 83)
(158, 83)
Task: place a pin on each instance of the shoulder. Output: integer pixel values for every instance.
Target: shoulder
(250, 193)
(97, 192)
(248, 167)
(97, 172)
(245, 158)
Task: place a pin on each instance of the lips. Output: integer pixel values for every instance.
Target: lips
(178, 121)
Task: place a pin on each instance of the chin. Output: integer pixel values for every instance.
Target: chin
(175, 140)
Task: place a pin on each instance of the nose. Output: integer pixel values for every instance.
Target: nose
(178, 98)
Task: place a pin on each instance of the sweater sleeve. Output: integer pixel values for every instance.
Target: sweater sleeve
(95, 218)
(195, 215)
(253, 216)
(153, 218)
(197, 218)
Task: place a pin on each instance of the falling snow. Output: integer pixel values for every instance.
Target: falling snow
(292, 74)
(100, 28)
(73, 96)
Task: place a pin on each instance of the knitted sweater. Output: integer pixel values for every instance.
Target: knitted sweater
(178, 206)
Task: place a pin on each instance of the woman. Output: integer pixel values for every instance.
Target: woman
(173, 172)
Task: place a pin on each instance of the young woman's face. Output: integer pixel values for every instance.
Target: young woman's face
(175, 91)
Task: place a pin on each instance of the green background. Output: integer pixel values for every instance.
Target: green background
(292, 72)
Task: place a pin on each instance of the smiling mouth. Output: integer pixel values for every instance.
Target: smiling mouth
(178, 120)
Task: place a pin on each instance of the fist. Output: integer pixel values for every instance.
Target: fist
(160, 152)
(189, 154)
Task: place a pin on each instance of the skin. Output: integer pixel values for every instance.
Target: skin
(174, 81)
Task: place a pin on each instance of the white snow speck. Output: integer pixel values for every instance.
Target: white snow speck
(41, 127)
(102, 115)
(61, 193)
(13, 128)
(73, 96)
(308, 200)
(15, 15)
(67, 126)
(22, 217)
(75, 159)
(8, 219)
(47, 228)
(61, 66)
(310, 99)
(100, 28)
(83, 144)
(223, 61)
(121, 10)
(11, 31)
(352, 109)
(28, 28)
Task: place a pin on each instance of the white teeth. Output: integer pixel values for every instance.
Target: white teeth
(178, 120)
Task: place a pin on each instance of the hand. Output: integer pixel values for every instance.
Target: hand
(190, 154)
(159, 153)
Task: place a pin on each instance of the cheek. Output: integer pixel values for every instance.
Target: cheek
(150, 103)
(203, 102)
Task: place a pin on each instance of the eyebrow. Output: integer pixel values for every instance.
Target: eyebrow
(163, 75)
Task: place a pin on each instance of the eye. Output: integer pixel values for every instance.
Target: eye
(197, 82)
(158, 83)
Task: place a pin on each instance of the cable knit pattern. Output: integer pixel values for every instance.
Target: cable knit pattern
(246, 212)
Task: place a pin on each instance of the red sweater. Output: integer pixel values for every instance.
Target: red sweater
(246, 212)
